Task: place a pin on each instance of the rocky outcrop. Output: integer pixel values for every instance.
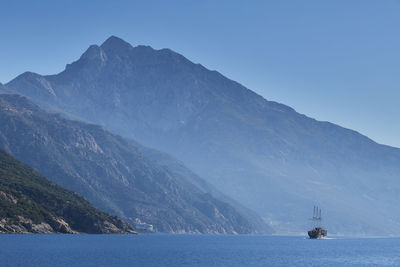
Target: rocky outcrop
(23, 226)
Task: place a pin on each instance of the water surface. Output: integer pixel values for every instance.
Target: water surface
(195, 250)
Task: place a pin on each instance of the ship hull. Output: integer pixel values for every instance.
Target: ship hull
(317, 233)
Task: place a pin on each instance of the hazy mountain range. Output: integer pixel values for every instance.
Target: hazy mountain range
(260, 153)
(3, 89)
(112, 173)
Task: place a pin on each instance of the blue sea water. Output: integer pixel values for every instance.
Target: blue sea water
(195, 250)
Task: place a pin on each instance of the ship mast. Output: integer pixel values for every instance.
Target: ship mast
(317, 216)
(314, 214)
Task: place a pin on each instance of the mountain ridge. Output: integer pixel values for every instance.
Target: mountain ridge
(253, 150)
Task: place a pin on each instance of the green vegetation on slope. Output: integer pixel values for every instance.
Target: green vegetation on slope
(28, 199)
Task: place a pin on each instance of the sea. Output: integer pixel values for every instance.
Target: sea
(195, 250)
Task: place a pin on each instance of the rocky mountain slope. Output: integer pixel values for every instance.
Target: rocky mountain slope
(29, 203)
(111, 172)
(177, 168)
(261, 153)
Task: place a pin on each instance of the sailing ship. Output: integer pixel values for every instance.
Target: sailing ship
(318, 231)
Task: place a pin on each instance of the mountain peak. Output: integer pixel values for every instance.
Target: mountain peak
(114, 43)
(94, 51)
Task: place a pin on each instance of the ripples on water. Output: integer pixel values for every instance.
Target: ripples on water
(194, 250)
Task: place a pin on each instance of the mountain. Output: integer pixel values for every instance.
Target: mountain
(29, 203)
(3, 89)
(111, 172)
(176, 167)
(260, 153)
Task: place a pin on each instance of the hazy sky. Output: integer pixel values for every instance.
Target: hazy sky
(332, 60)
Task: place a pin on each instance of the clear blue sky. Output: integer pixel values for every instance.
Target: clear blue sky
(334, 60)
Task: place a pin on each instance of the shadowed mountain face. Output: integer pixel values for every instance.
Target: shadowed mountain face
(263, 154)
(30, 203)
(111, 173)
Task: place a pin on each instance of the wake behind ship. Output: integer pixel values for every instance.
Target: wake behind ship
(318, 231)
